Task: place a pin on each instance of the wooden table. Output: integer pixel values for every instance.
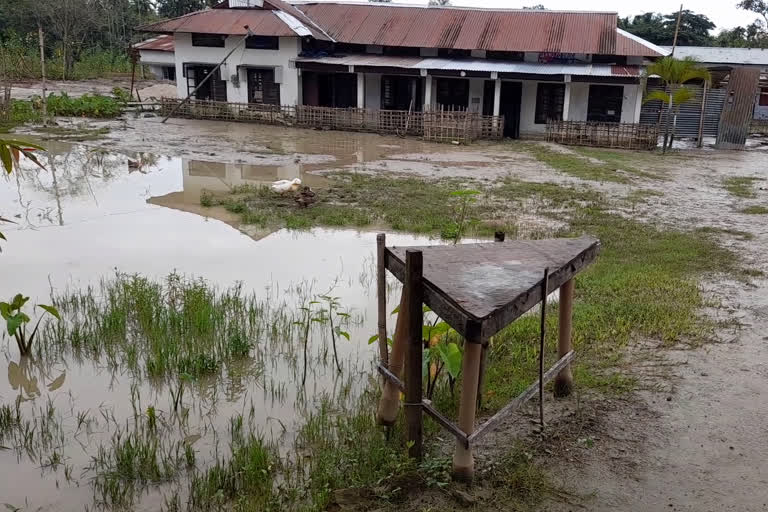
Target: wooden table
(478, 289)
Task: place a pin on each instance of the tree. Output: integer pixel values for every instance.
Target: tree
(757, 6)
(537, 7)
(660, 29)
(439, 3)
(751, 36)
(675, 73)
(174, 8)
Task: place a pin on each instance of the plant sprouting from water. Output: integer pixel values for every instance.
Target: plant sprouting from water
(16, 321)
(326, 316)
(462, 200)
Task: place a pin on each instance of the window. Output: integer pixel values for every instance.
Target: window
(604, 103)
(763, 97)
(452, 93)
(549, 103)
(262, 43)
(169, 73)
(210, 40)
(262, 87)
(401, 93)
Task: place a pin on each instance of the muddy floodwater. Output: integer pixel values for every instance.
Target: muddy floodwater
(94, 214)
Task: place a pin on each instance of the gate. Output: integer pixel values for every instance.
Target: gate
(689, 117)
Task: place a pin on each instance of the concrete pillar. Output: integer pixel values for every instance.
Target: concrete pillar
(638, 102)
(361, 90)
(428, 93)
(567, 98)
(497, 97)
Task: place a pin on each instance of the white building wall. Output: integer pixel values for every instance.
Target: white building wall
(528, 125)
(276, 59)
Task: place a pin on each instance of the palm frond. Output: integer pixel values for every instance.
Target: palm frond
(656, 95)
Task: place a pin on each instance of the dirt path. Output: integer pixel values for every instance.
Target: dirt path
(76, 88)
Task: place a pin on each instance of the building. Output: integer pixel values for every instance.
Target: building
(721, 61)
(530, 66)
(158, 54)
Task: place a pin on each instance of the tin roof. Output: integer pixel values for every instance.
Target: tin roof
(482, 65)
(631, 45)
(726, 56)
(269, 21)
(161, 43)
(469, 29)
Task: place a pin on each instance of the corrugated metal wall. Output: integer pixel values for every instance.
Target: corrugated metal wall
(737, 112)
(690, 113)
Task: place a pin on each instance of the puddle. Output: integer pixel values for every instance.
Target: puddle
(92, 214)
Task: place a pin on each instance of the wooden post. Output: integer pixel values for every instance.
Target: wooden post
(700, 141)
(414, 266)
(564, 380)
(389, 404)
(498, 236)
(41, 38)
(381, 285)
(463, 461)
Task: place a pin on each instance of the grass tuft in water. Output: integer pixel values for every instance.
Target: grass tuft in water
(754, 210)
(177, 327)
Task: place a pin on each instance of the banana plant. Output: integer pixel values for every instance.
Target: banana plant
(16, 321)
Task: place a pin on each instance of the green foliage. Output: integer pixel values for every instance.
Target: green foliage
(95, 106)
(16, 321)
(660, 29)
(755, 210)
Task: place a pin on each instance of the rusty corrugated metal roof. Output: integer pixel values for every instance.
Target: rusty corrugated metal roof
(631, 45)
(161, 43)
(225, 21)
(468, 29)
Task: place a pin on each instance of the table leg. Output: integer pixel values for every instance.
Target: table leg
(463, 461)
(564, 380)
(389, 404)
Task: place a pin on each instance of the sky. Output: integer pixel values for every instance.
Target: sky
(723, 13)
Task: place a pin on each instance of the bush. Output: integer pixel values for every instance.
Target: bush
(104, 107)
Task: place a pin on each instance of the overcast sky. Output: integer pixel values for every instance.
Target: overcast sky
(723, 13)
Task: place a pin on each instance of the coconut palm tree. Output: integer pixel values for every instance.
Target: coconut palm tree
(675, 73)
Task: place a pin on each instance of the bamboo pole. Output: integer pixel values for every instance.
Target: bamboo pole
(463, 461)
(677, 29)
(564, 380)
(41, 38)
(700, 141)
(413, 385)
(389, 403)
(381, 285)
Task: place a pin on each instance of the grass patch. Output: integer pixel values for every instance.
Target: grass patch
(614, 168)
(356, 201)
(741, 186)
(712, 230)
(754, 210)
(68, 134)
(94, 106)
(176, 327)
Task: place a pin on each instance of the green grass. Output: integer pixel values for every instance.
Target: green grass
(741, 186)
(359, 201)
(614, 167)
(754, 210)
(94, 106)
(177, 327)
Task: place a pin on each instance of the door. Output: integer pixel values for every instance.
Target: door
(511, 95)
(214, 89)
(262, 87)
(452, 93)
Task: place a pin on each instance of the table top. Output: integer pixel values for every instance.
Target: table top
(493, 283)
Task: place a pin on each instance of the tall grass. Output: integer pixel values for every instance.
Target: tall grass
(177, 327)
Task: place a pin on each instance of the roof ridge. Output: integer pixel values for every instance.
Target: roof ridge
(375, 5)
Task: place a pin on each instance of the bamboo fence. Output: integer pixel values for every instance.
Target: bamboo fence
(607, 135)
(440, 125)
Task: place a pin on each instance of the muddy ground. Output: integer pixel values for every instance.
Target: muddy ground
(27, 89)
(695, 440)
